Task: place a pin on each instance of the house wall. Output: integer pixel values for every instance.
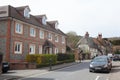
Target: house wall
(3, 31)
(8, 37)
(26, 40)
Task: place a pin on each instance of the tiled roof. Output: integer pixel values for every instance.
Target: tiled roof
(21, 8)
(40, 16)
(16, 13)
(89, 41)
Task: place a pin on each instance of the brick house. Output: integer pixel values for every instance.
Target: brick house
(22, 33)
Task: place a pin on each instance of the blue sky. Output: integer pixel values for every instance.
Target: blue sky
(94, 16)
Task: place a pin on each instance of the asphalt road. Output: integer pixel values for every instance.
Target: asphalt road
(75, 72)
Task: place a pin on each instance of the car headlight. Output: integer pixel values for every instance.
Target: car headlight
(91, 65)
(106, 65)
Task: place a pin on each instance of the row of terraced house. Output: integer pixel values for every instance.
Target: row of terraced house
(22, 33)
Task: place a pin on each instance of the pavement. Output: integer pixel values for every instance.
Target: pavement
(18, 74)
(115, 72)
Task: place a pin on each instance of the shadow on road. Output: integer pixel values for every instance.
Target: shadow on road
(115, 66)
(9, 77)
(38, 79)
(115, 69)
(9, 72)
(77, 67)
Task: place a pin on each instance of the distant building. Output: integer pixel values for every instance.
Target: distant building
(94, 46)
(22, 33)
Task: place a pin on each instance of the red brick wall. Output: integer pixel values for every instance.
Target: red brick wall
(22, 65)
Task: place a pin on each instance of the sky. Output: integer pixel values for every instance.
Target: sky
(80, 16)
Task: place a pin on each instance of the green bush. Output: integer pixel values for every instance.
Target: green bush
(64, 57)
(117, 52)
(31, 58)
(41, 59)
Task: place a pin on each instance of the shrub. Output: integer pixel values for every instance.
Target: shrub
(63, 57)
(41, 59)
(44, 59)
(117, 52)
(31, 58)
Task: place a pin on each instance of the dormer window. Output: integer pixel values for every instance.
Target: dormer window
(26, 12)
(56, 25)
(44, 20)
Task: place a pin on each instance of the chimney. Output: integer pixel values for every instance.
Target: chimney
(86, 35)
(99, 36)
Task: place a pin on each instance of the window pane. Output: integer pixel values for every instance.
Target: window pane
(32, 32)
(32, 49)
(18, 28)
(18, 47)
(41, 34)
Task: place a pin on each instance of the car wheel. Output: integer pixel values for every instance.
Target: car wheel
(91, 71)
(108, 71)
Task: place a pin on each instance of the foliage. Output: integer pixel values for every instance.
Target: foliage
(41, 59)
(72, 39)
(68, 49)
(44, 59)
(72, 33)
(115, 42)
(117, 52)
(63, 57)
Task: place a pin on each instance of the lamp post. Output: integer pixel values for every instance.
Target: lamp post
(50, 64)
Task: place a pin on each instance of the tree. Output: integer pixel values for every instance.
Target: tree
(117, 51)
(115, 42)
(72, 33)
(72, 39)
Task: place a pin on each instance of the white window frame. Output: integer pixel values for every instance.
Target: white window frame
(32, 47)
(49, 36)
(56, 38)
(44, 20)
(19, 28)
(41, 34)
(40, 49)
(32, 32)
(63, 39)
(18, 45)
(26, 12)
(56, 50)
(56, 25)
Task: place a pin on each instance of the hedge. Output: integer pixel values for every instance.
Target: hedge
(64, 57)
(41, 59)
(44, 59)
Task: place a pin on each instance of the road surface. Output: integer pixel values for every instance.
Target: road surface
(79, 71)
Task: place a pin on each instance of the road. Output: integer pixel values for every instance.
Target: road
(74, 72)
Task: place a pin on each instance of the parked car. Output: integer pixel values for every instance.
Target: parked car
(116, 57)
(110, 55)
(5, 67)
(100, 63)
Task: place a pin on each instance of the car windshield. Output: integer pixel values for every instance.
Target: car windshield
(99, 60)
